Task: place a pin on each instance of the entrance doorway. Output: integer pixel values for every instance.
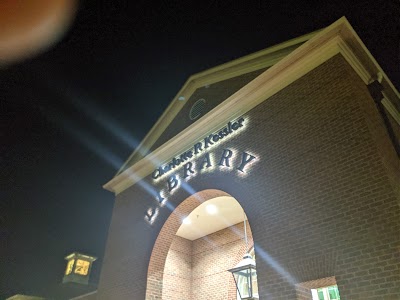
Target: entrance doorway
(199, 242)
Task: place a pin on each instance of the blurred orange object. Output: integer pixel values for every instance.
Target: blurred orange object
(28, 27)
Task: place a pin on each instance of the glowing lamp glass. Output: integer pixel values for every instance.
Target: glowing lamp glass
(245, 277)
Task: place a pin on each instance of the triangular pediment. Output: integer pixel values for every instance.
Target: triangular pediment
(204, 91)
(254, 79)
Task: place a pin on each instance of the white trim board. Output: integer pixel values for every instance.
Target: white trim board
(337, 38)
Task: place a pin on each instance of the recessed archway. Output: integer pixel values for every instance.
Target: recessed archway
(191, 263)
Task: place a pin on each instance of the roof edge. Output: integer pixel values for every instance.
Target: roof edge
(337, 38)
(245, 64)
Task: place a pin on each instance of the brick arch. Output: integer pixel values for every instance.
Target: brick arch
(165, 238)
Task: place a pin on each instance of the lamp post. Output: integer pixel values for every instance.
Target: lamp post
(245, 274)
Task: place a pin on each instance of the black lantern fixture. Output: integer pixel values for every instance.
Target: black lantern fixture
(245, 274)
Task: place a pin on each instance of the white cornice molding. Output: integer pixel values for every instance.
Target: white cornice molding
(353, 61)
(337, 38)
(392, 110)
(249, 63)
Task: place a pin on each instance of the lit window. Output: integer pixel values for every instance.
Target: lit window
(326, 293)
(82, 267)
(69, 266)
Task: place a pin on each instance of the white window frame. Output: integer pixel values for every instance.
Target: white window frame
(314, 292)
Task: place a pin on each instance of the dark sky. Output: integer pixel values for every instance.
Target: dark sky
(72, 115)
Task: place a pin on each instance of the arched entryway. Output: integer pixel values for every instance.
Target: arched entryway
(190, 261)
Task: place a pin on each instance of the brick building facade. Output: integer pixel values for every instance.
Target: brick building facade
(305, 137)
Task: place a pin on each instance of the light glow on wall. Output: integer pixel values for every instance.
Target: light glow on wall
(211, 209)
(247, 167)
(241, 126)
(186, 221)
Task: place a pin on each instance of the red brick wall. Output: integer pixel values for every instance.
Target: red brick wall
(213, 255)
(197, 269)
(322, 200)
(166, 238)
(177, 279)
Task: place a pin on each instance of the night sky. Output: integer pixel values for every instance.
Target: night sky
(72, 115)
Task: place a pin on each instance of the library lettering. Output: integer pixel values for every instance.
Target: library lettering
(273, 176)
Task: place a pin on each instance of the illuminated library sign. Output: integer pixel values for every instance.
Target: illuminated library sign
(204, 145)
(197, 160)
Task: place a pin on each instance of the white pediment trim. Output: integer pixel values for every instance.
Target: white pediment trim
(337, 38)
(249, 63)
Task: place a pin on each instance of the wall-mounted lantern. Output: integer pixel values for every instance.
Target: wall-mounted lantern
(245, 274)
